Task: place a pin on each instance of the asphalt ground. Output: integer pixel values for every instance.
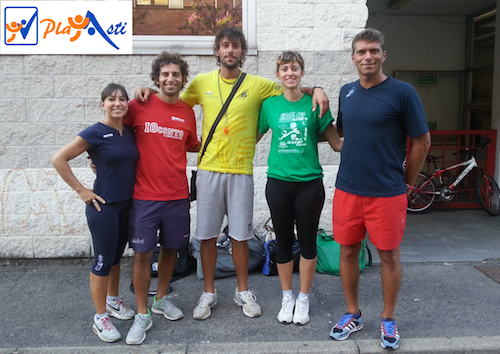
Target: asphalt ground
(444, 306)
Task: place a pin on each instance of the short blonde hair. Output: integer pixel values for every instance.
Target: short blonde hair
(287, 57)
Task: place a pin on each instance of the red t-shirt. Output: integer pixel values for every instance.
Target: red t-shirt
(163, 132)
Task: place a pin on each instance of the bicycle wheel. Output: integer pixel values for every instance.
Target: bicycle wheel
(488, 194)
(423, 195)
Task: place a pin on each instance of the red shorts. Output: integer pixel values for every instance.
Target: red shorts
(384, 219)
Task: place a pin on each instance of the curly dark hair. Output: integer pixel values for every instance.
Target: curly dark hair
(234, 35)
(108, 91)
(369, 35)
(165, 58)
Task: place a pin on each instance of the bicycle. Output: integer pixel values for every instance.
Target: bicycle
(424, 193)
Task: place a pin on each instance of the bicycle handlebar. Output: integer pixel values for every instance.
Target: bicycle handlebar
(483, 144)
(468, 150)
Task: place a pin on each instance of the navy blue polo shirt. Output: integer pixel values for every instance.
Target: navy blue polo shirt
(115, 157)
(376, 122)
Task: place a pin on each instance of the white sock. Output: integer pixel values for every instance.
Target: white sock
(98, 316)
(302, 295)
(287, 292)
(112, 299)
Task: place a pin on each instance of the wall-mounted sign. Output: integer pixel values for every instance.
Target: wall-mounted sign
(427, 80)
(66, 27)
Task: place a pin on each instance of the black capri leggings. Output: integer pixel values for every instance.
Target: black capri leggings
(109, 229)
(295, 203)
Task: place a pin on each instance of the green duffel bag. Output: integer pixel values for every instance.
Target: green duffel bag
(329, 254)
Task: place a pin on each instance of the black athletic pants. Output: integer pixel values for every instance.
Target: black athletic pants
(297, 203)
(109, 229)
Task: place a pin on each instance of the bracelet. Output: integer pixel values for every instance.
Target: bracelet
(315, 87)
(408, 187)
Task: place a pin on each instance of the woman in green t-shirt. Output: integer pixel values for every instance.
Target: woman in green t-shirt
(294, 189)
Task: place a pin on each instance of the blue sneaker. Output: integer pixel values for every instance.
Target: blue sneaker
(389, 334)
(348, 324)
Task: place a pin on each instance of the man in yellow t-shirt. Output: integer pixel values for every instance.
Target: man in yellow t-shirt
(225, 174)
(232, 147)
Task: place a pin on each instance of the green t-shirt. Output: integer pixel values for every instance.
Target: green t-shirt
(294, 145)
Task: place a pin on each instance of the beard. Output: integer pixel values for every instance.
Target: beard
(235, 65)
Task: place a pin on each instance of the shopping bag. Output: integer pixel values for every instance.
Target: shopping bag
(329, 254)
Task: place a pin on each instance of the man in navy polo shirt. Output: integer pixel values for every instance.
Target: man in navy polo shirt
(376, 114)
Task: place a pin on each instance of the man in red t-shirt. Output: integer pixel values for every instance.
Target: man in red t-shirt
(165, 128)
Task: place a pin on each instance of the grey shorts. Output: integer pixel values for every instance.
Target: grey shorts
(220, 194)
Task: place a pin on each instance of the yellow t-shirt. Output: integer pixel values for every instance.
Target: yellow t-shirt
(232, 147)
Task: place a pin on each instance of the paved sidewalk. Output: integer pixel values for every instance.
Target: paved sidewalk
(444, 306)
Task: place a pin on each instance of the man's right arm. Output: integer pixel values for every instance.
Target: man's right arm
(195, 148)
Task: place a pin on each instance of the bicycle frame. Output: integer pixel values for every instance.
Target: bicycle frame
(429, 188)
(471, 164)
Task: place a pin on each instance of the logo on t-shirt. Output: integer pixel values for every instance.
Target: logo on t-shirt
(351, 92)
(171, 133)
(209, 94)
(109, 135)
(293, 132)
(178, 119)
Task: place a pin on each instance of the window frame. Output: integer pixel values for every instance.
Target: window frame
(198, 45)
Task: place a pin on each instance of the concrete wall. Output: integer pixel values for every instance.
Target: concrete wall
(46, 100)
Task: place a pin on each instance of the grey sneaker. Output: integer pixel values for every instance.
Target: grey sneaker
(301, 314)
(166, 308)
(119, 310)
(105, 330)
(205, 304)
(286, 313)
(137, 332)
(248, 300)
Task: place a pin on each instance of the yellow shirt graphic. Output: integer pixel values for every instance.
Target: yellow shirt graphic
(233, 144)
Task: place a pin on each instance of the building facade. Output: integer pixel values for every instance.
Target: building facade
(46, 100)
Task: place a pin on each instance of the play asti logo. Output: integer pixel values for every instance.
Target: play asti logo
(66, 27)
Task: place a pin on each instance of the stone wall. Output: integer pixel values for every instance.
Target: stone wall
(46, 100)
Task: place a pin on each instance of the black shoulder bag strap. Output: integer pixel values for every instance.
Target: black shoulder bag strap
(192, 190)
(237, 84)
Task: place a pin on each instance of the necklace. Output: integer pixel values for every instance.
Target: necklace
(227, 82)
(220, 95)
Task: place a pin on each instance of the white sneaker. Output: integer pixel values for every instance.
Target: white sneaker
(247, 299)
(105, 330)
(286, 313)
(301, 314)
(205, 304)
(166, 308)
(137, 332)
(119, 310)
